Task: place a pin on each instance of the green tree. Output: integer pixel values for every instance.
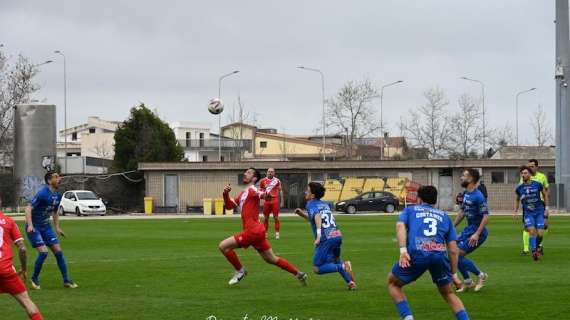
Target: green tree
(144, 137)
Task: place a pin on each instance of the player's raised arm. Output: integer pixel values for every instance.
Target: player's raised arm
(301, 213)
(229, 203)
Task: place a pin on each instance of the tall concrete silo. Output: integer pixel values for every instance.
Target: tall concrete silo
(35, 146)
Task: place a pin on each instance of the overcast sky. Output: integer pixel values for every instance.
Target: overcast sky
(169, 54)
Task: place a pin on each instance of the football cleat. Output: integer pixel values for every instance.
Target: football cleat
(536, 255)
(481, 281)
(302, 277)
(525, 253)
(238, 276)
(352, 286)
(277, 236)
(70, 285)
(467, 285)
(348, 268)
(35, 285)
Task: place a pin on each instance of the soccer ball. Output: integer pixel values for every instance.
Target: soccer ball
(216, 106)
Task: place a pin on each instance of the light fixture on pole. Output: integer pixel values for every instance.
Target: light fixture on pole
(517, 110)
(64, 109)
(323, 101)
(382, 140)
(483, 111)
(220, 115)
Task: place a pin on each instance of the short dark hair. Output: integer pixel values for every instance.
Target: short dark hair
(474, 173)
(428, 194)
(523, 168)
(48, 175)
(317, 189)
(256, 173)
(534, 161)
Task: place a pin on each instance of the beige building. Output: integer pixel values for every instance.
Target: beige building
(184, 185)
(96, 139)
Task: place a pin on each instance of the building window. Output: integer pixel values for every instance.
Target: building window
(513, 176)
(201, 139)
(188, 138)
(263, 144)
(551, 176)
(74, 136)
(91, 130)
(204, 158)
(222, 158)
(497, 177)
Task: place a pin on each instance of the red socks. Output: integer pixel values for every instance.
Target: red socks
(285, 265)
(277, 225)
(233, 259)
(266, 222)
(36, 316)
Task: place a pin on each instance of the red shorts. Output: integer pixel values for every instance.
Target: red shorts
(11, 283)
(271, 207)
(253, 237)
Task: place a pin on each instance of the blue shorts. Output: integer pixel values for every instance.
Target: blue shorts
(43, 235)
(327, 251)
(534, 220)
(437, 264)
(463, 239)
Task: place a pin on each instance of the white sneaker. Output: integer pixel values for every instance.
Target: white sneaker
(277, 235)
(466, 286)
(238, 276)
(408, 318)
(481, 282)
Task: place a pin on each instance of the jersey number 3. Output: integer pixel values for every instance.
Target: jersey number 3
(432, 227)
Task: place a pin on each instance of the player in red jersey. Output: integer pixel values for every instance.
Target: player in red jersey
(10, 281)
(253, 234)
(271, 185)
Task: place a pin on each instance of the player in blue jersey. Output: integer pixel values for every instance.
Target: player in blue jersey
(474, 208)
(534, 211)
(427, 240)
(328, 238)
(40, 232)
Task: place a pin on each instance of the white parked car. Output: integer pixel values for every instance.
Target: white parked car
(82, 202)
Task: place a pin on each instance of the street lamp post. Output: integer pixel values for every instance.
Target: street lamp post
(483, 111)
(220, 115)
(64, 110)
(517, 110)
(323, 101)
(382, 142)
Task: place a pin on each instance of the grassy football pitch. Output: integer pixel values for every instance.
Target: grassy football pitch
(171, 269)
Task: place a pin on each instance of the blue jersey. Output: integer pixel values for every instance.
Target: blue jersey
(429, 230)
(475, 207)
(44, 203)
(530, 196)
(329, 228)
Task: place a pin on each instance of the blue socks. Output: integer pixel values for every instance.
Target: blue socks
(62, 266)
(462, 315)
(465, 266)
(532, 243)
(404, 309)
(335, 267)
(42, 256)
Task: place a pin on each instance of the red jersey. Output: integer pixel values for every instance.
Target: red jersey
(248, 203)
(9, 233)
(271, 186)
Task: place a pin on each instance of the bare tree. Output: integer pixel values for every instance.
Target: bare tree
(236, 132)
(500, 137)
(541, 126)
(429, 126)
(16, 86)
(466, 129)
(102, 150)
(350, 114)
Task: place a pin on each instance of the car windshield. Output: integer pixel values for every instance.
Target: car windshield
(87, 195)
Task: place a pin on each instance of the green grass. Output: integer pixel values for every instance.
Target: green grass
(171, 269)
